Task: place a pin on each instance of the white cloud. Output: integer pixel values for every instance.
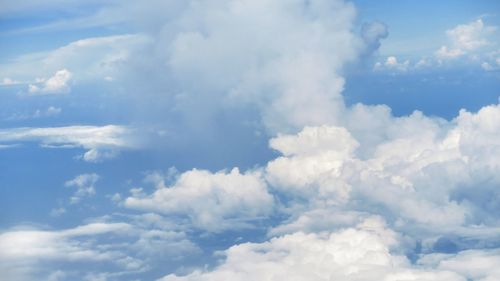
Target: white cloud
(361, 253)
(392, 63)
(211, 201)
(23, 251)
(470, 36)
(312, 157)
(290, 68)
(124, 248)
(57, 84)
(481, 265)
(415, 171)
(100, 142)
(85, 186)
(97, 57)
(405, 172)
(466, 38)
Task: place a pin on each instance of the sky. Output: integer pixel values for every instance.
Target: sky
(250, 140)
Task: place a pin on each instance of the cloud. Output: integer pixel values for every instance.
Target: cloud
(326, 180)
(8, 82)
(444, 52)
(315, 154)
(474, 264)
(433, 181)
(101, 142)
(326, 168)
(470, 36)
(392, 63)
(85, 186)
(372, 33)
(465, 38)
(211, 201)
(23, 251)
(361, 253)
(293, 80)
(127, 248)
(472, 41)
(57, 84)
(289, 71)
(98, 57)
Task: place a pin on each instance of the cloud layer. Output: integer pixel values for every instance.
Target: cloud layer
(350, 193)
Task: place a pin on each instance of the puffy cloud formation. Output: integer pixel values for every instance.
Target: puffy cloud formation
(100, 142)
(470, 36)
(466, 38)
(361, 253)
(437, 170)
(311, 162)
(213, 202)
(392, 63)
(474, 42)
(290, 68)
(429, 187)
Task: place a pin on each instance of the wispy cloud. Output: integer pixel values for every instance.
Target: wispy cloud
(100, 142)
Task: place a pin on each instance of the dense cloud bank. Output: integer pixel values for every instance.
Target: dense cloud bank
(432, 181)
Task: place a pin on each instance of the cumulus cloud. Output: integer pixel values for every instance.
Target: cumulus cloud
(56, 84)
(361, 253)
(211, 201)
(422, 184)
(314, 155)
(289, 71)
(101, 142)
(436, 170)
(470, 36)
(465, 38)
(473, 41)
(392, 63)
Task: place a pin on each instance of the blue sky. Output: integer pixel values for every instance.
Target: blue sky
(176, 140)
